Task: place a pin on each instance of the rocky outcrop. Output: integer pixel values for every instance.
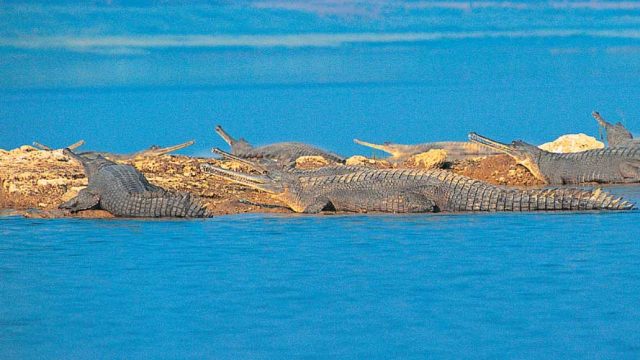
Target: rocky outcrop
(431, 159)
(572, 143)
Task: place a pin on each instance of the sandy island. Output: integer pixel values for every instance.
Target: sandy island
(34, 182)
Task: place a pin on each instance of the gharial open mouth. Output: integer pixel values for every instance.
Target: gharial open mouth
(223, 134)
(251, 164)
(492, 144)
(259, 182)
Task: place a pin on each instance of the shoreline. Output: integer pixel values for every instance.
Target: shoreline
(34, 182)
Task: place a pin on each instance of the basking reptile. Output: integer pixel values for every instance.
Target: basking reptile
(47, 148)
(154, 150)
(124, 191)
(284, 152)
(456, 150)
(617, 135)
(354, 189)
(609, 165)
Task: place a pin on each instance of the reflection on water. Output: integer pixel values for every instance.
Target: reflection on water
(349, 286)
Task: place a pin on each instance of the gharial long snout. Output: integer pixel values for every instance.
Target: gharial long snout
(251, 164)
(169, 149)
(492, 144)
(601, 121)
(259, 182)
(224, 135)
(68, 152)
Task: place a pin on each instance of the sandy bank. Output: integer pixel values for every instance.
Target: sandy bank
(35, 182)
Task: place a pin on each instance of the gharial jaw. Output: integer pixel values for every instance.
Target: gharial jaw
(524, 154)
(533, 168)
(396, 151)
(617, 134)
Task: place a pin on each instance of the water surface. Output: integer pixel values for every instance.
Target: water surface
(257, 286)
(123, 75)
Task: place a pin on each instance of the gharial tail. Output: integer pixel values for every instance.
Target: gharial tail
(474, 195)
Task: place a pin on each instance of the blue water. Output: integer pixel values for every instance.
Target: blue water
(253, 286)
(321, 72)
(123, 75)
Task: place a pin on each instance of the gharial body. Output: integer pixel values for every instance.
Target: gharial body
(456, 150)
(124, 191)
(283, 152)
(609, 165)
(617, 134)
(356, 189)
(154, 150)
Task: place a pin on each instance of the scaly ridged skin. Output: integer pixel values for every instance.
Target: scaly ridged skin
(124, 191)
(456, 150)
(286, 152)
(609, 165)
(283, 152)
(409, 190)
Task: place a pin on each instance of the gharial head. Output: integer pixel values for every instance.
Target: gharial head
(523, 153)
(237, 146)
(269, 178)
(617, 134)
(90, 164)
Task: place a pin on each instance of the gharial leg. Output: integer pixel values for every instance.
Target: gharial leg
(317, 205)
(630, 170)
(83, 201)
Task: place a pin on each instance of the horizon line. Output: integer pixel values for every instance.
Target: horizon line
(82, 43)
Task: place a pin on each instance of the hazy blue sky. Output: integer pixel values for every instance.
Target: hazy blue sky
(125, 75)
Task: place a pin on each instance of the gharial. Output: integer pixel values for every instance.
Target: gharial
(617, 134)
(356, 189)
(608, 165)
(456, 150)
(154, 150)
(285, 153)
(47, 148)
(124, 191)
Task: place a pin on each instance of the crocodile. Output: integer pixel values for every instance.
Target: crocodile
(617, 134)
(608, 165)
(359, 189)
(456, 150)
(154, 150)
(124, 191)
(283, 152)
(47, 148)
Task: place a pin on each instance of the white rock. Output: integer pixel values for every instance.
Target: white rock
(572, 143)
